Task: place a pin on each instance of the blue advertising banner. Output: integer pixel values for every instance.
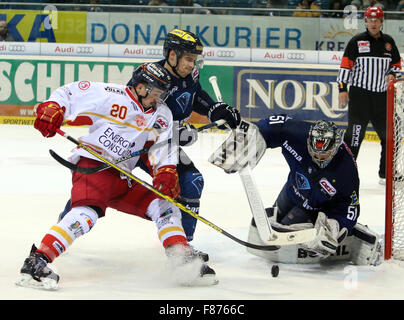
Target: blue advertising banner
(307, 94)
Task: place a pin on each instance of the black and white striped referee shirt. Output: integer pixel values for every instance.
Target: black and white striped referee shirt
(367, 61)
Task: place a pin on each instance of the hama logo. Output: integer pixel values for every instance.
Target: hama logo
(292, 151)
(84, 85)
(327, 186)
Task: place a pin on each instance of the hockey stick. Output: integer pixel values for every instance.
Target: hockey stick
(169, 199)
(265, 231)
(104, 166)
(216, 90)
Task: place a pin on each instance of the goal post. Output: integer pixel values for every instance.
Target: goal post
(394, 219)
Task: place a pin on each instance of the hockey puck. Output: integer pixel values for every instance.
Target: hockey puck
(275, 270)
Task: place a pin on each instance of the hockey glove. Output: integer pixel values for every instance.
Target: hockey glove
(221, 110)
(49, 118)
(329, 236)
(187, 134)
(166, 181)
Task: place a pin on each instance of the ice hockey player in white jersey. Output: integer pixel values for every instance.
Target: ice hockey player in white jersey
(121, 120)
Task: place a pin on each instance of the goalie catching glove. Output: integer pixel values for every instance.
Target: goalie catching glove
(329, 236)
(49, 118)
(166, 181)
(222, 111)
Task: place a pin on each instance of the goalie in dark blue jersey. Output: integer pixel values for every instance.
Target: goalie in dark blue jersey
(321, 191)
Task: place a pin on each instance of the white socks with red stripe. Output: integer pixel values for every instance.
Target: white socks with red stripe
(168, 220)
(75, 223)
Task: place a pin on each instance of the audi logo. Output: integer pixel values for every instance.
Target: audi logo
(295, 56)
(154, 52)
(85, 50)
(16, 48)
(225, 54)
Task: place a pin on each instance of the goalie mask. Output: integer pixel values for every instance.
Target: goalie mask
(323, 142)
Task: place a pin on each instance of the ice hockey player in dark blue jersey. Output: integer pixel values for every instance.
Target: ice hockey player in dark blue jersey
(323, 174)
(321, 191)
(182, 52)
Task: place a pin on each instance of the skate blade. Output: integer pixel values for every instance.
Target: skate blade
(27, 281)
(205, 281)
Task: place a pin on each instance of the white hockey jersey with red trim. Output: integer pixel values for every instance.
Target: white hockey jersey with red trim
(118, 124)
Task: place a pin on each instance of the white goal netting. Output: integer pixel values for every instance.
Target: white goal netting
(395, 173)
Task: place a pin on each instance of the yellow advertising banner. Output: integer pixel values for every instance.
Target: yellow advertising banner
(46, 26)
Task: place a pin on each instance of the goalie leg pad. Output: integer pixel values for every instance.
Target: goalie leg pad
(361, 247)
(366, 247)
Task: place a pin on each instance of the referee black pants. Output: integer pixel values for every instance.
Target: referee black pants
(364, 107)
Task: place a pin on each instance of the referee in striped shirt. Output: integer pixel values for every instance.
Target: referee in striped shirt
(371, 60)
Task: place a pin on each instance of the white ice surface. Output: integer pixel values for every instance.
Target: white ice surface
(121, 258)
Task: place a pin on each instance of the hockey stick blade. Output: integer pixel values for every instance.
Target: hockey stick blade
(91, 170)
(265, 231)
(291, 237)
(165, 197)
(75, 167)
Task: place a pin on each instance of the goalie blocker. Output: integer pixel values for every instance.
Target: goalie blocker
(244, 146)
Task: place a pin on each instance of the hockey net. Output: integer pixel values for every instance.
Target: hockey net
(394, 225)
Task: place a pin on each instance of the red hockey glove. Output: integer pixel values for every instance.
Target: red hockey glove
(166, 181)
(49, 117)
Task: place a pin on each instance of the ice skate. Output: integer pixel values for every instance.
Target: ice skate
(202, 255)
(36, 274)
(188, 267)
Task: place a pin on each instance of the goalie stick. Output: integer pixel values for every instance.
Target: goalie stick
(271, 247)
(265, 231)
(104, 166)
